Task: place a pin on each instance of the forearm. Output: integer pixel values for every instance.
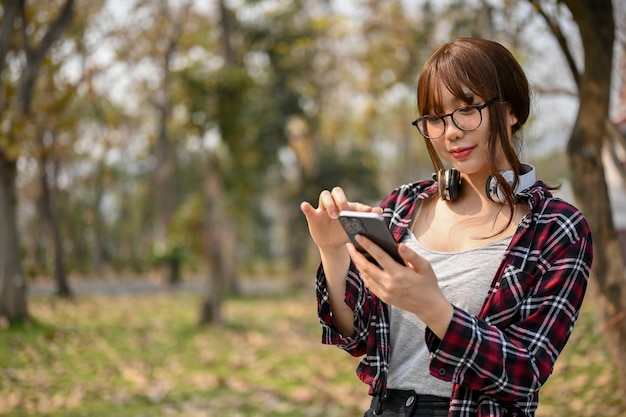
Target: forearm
(336, 263)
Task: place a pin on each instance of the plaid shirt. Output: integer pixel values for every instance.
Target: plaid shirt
(499, 359)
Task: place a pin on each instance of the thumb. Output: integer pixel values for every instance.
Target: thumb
(412, 258)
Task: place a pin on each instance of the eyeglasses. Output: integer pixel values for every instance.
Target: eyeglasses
(466, 118)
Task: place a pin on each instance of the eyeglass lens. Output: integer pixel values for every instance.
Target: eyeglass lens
(465, 118)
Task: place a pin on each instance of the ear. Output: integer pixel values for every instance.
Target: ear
(512, 117)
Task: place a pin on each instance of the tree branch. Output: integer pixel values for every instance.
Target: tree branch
(8, 19)
(36, 55)
(6, 34)
(555, 91)
(558, 34)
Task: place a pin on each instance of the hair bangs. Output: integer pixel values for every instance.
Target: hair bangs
(448, 68)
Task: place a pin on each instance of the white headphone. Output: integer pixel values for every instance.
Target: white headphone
(526, 179)
(449, 183)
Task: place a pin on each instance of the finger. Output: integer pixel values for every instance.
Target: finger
(418, 263)
(339, 196)
(327, 203)
(362, 263)
(356, 206)
(356, 256)
(309, 212)
(368, 270)
(382, 257)
(306, 208)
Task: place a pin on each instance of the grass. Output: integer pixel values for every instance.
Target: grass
(141, 355)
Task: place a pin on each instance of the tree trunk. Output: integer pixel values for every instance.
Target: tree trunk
(211, 308)
(49, 211)
(298, 254)
(164, 171)
(166, 199)
(13, 307)
(616, 140)
(299, 239)
(220, 233)
(229, 255)
(12, 284)
(608, 285)
(220, 243)
(97, 251)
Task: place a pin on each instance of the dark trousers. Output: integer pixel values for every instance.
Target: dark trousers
(403, 403)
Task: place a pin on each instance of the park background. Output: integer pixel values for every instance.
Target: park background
(159, 161)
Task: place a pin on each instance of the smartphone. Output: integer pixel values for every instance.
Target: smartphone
(373, 227)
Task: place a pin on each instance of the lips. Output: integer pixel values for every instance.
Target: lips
(461, 153)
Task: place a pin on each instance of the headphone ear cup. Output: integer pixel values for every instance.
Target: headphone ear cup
(492, 190)
(526, 179)
(453, 178)
(449, 184)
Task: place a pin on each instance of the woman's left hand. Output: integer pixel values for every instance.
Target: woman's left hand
(412, 287)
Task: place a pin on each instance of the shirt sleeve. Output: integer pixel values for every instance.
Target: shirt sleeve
(355, 299)
(371, 324)
(528, 316)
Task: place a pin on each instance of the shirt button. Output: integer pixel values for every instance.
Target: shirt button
(442, 372)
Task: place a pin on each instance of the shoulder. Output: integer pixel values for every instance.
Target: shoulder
(408, 193)
(554, 214)
(399, 205)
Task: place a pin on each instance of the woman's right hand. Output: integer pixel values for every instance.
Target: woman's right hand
(324, 226)
(330, 238)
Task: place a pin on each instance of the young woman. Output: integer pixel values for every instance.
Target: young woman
(495, 267)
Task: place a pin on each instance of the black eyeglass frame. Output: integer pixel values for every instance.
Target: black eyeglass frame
(478, 107)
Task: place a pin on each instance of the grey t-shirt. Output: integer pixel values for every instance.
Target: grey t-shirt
(464, 278)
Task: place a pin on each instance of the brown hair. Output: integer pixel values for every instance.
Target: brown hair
(489, 70)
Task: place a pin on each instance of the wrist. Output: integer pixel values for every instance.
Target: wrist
(333, 251)
(439, 317)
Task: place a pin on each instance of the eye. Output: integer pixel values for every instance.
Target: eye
(432, 118)
(466, 109)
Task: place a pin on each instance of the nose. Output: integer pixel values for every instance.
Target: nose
(452, 132)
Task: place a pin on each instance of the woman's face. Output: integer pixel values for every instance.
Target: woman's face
(466, 150)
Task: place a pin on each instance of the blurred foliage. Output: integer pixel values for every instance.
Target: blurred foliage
(316, 95)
